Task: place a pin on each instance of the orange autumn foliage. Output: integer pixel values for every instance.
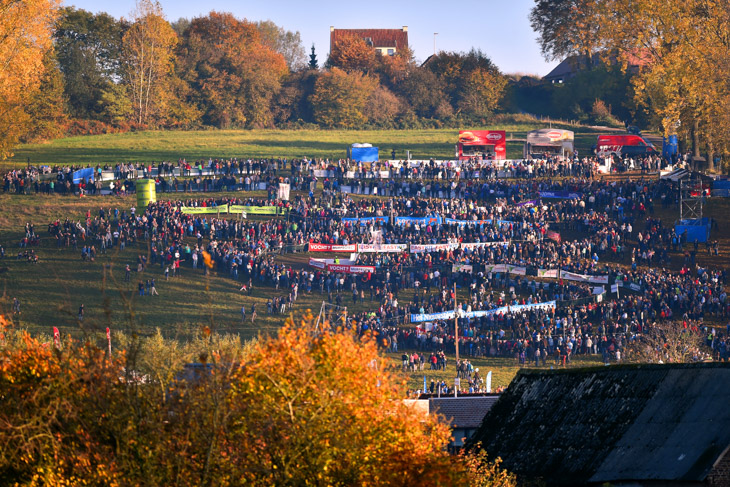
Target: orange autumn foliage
(300, 408)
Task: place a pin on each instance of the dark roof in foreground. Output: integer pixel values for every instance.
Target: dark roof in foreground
(465, 411)
(619, 423)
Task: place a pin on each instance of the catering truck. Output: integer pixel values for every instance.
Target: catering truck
(550, 142)
(482, 144)
(623, 145)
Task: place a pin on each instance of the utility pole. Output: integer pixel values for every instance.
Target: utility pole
(434, 42)
(456, 326)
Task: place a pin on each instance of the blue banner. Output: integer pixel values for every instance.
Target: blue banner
(85, 175)
(411, 220)
(566, 195)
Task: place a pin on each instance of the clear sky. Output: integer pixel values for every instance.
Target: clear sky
(499, 28)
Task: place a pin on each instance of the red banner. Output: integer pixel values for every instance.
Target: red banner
(350, 269)
(319, 247)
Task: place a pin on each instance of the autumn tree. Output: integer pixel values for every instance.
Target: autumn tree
(25, 36)
(472, 82)
(669, 342)
(285, 42)
(482, 92)
(425, 92)
(382, 107)
(339, 98)
(351, 53)
(232, 74)
(148, 47)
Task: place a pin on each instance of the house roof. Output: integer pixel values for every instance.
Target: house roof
(609, 424)
(397, 38)
(462, 412)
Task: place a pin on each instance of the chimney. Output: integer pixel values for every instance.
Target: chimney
(405, 28)
(332, 28)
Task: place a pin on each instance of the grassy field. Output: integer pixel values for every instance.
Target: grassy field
(172, 145)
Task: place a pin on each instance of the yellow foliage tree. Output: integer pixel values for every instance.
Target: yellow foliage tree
(25, 35)
(148, 53)
(339, 98)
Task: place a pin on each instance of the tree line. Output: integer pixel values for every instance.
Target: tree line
(682, 46)
(94, 73)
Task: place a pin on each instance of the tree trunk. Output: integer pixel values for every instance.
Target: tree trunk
(710, 157)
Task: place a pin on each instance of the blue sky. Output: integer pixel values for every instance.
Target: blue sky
(498, 27)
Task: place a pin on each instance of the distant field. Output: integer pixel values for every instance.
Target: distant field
(192, 145)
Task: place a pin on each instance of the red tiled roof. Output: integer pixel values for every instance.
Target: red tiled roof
(397, 38)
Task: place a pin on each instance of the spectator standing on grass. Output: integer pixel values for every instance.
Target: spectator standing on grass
(243, 314)
(253, 313)
(81, 313)
(16, 306)
(153, 289)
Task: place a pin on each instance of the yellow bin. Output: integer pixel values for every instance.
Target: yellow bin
(146, 192)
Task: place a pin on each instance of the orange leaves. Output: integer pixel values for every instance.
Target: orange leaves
(25, 35)
(207, 260)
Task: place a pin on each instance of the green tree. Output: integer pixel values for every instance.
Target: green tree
(568, 28)
(89, 51)
(47, 107)
(313, 64)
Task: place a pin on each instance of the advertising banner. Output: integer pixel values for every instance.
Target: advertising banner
(547, 273)
(283, 192)
(260, 210)
(410, 220)
(462, 268)
(323, 263)
(367, 220)
(382, 248)
(208, 210)
(572, 276)
(566, 195)
(350, 269)
(416, 248)
(319, 247)
(476, 245)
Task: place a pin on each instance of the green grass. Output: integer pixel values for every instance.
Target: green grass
(503, 369)
(193, 145)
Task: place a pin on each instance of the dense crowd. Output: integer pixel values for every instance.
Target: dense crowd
(593, 231)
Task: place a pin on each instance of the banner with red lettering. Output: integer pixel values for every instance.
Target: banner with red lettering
(319, 247)
(381, 248)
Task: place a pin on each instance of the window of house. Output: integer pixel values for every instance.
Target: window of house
(391, 52)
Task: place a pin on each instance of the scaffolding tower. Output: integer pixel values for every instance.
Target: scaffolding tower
(691, 198)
